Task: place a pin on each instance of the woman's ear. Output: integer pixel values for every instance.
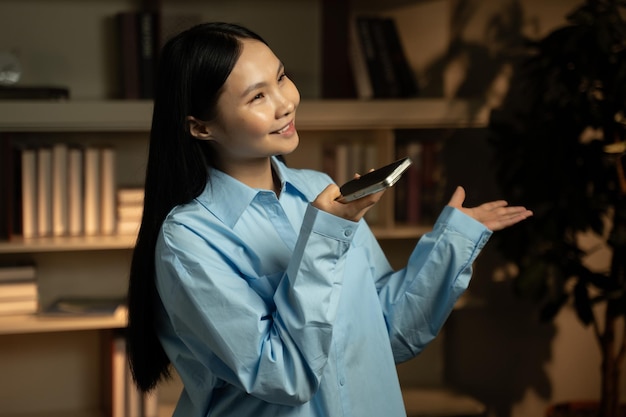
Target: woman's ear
(198, 128)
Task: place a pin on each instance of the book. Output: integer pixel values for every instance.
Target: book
(129, 212)
(18, 290)
(59, 189)
(107, 191)
(404, 75)
(75, 191)
(14, 307)
(128, 227)
(85, 306)
(44, 191)
(337, 80)
(91, 197)
(413, 183)
(115, 365)
(6, 183)
(133, 396)
(15, 198)
(151, 404)
(128, 52)
(372, 62)
(358, 63)
(29, 192)
(130, 196)
(148, 47)
(387, 84)
(16, 272)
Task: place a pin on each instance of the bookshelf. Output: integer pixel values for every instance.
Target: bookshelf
(99, 264)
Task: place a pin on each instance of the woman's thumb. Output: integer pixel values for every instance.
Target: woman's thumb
(458, 197)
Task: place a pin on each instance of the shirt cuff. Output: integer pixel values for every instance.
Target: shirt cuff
(454, 219)
(329, 225)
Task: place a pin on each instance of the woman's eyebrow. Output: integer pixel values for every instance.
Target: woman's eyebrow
(260, 84)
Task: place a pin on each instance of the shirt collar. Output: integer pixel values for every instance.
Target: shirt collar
(227, 198)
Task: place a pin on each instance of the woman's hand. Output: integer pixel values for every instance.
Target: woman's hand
(495, 215)
(353, 210)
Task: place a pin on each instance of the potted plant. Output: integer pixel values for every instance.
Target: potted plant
(559, 142)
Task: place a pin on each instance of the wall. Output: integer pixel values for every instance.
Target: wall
(495, 347)
(90, 68)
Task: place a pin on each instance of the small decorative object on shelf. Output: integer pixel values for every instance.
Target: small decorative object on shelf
(11, 73)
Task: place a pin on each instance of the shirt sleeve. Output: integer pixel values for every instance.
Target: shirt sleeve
(276, 353)
(417, 300)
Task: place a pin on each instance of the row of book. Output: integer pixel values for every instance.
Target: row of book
(64, 190)
(18, 290)
(379, 63)
(124, 399)
(419, 193)
(67, 190)
(345, 159)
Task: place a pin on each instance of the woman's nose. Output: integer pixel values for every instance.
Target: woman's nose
(285, 105)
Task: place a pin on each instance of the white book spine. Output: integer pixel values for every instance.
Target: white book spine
(342, 166)
(107, 191)
(27, 306)
(75, 191)
(44, 191)
(134, 402)
(92, 191)
(59, 189)
(14, 291)
(29, 193)
(151, 404)
(118, 369)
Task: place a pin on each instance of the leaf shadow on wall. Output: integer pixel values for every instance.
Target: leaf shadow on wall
(496, 347)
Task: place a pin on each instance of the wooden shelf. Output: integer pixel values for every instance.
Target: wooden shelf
(68, 116)
(64, 413)
(66, 244)
(121, 242)
(440, 402)
(135, 116)
(33, 323)
(403, 232)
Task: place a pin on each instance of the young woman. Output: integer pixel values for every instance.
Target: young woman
(267, 296)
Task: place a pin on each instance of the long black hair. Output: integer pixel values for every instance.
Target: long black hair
(193, 67)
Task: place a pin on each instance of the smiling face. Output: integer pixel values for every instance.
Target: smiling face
(256, 110)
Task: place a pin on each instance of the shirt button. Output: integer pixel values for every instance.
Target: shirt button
(347, 232)
(342, 381)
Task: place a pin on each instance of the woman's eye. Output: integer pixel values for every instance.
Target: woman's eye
(257, 96)
(282, 76)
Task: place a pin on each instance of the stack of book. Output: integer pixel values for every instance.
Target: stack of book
(18, 290)
(129, 210)
(66, 190)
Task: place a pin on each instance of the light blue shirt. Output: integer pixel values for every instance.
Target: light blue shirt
(271, 307)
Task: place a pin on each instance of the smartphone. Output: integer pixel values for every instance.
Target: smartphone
(373, 181)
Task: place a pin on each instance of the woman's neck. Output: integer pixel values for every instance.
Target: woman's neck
(256, 173)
